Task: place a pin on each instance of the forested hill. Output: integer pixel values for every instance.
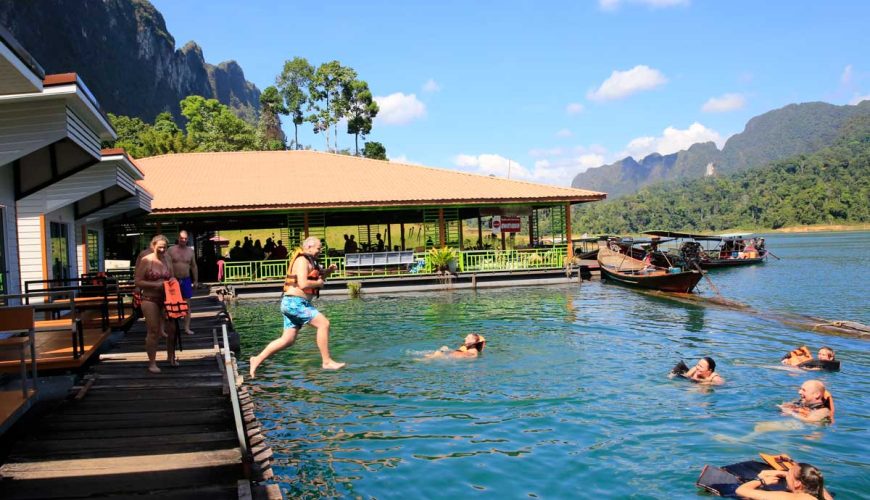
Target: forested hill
(775, 135)
(125, 55)
(829, 186)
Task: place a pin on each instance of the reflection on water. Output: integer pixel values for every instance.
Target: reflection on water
(569, 400)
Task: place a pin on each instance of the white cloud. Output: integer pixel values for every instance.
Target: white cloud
(624, 83)
(574, 108)
(494, 164)
(671, 141)
(399, 109)
(858, 98)
(431, 86)
(613, 4)
(724, 103)
(564, 133)
(846, 77)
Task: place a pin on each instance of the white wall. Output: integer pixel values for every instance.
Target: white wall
(10, 238)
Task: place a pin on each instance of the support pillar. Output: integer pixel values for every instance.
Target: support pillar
(461, 242)
(442, 237)
(305, 223)
(402, 230)
(479, 232)
(568, 229)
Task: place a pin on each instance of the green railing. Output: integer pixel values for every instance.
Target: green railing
(469, 261)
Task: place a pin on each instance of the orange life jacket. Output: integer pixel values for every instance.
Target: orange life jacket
(174, 304)
(315, 274)
(798, 356)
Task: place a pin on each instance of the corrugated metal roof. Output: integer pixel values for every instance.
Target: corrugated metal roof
(258, 180)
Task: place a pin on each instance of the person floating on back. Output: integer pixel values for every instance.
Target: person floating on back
(472, 347)
(704, 372)
(815, 405)
(802, 358)
(303, 282)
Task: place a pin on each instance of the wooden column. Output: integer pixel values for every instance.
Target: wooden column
(568, 229)
(442, 238)
(369, 236)
(461, 242)
(479, 232)
(503, 247)
(84, 268)
(389, 237)
(305, 223)
(531, 228)
(402, 230)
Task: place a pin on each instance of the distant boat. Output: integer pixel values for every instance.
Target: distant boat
(618, 263)
(713, 251)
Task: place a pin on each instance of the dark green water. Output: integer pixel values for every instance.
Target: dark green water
(571, 398)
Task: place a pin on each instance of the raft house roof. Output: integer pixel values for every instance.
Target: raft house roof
(280, 181)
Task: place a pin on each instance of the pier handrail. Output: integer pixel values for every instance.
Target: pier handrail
(468, 261)
(234, 397)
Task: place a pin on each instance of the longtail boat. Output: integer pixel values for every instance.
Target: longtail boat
(617, 264)
(713, 251)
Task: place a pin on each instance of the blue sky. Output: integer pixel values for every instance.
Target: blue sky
(548, 88)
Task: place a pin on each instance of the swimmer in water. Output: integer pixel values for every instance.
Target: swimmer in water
(705, 372)
(471, 348)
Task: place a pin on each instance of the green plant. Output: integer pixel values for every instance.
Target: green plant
(440, 258)
(353, 289)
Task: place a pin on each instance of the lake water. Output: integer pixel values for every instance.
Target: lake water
(571, 397)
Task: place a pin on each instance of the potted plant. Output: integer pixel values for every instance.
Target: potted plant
(443, 259)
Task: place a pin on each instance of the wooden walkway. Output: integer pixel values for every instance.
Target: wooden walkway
(127, 432)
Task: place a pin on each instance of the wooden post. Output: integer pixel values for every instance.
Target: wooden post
(305, 222)
(389, 237)
(570, 249)
(84, 268)
(442, 238)
(503, 248)
(402, 230)
(532, 229)
(461, 242)
(369, 236)
(479, 231)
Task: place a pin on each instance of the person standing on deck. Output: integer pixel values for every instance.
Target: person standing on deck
(185, 271)
(304, 278)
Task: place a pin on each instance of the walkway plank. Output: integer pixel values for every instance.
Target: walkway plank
(170, 435)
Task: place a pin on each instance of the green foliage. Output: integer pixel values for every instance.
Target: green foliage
(361, 110)
(213, 127)
(830, 186)
(375, 151)
(293, 82)
(353, 289)
(140, 139)
(327, 98)
(269, 134)
(440, 258)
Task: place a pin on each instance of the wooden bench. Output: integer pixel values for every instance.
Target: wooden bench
(16, 324)
(386, 261)
(63, 315)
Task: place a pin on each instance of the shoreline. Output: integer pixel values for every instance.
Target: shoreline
(821, 228)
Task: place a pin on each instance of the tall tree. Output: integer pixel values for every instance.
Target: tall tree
(213, 127)
(327, 86)
(375, 151)
(293, 82)
(269, 133)
(361, 109)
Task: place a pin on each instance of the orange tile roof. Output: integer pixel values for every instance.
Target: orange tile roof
(271, 180)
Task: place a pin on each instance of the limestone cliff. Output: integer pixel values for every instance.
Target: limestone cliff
(125, 55)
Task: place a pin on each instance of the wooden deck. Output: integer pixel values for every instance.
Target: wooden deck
(54, 351)
(128, 432)
(13, 404)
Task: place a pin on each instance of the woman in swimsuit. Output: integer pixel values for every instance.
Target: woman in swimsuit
(472, 347)
(153, 269)
(705, 372)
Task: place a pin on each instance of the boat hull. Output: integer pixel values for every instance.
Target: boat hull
(683, 282)
(717, 263)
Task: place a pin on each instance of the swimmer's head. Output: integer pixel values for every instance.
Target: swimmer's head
(826, 354)
(706, 364)
(474, 341)
(812, 391)
(803, 477)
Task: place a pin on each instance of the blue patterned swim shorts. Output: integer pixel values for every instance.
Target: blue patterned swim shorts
(297, 311)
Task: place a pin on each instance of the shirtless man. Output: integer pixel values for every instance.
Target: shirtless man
(184, 269)
(812, 406)
(300, 286)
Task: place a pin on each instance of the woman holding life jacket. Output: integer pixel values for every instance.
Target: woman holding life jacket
(152, 271)
(305, 278)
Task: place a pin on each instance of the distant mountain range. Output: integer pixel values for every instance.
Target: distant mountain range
(781, 133)
(125, 55)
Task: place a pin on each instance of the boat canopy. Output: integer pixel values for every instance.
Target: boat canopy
(700, 237)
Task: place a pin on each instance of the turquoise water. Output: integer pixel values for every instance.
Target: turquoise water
(571, 398)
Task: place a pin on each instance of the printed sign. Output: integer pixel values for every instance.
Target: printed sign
(510, 224)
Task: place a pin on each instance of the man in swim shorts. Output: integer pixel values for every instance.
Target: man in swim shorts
(304, 278)
(184, 268)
